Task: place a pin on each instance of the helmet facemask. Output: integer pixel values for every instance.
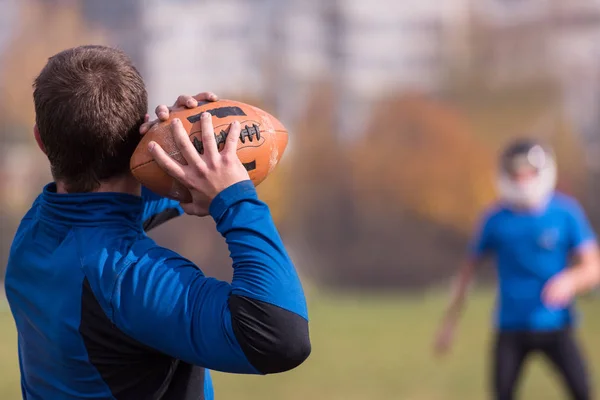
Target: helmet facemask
(527, 175)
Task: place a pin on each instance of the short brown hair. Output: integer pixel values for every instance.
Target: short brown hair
(89, 103)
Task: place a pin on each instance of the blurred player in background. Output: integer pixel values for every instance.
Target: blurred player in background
(101, 310)
(532, 233)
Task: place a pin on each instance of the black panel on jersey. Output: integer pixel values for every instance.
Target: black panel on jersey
(273, 339)
(132, 370)
(160, 218)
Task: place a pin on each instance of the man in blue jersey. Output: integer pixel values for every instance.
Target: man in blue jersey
(533, 234)
(101, 310)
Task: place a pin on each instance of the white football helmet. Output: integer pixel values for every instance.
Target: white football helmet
(526, 174)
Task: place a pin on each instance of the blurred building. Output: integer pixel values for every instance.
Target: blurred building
(523, 40)
(122, 18)
(576, 57)
(276, 49)
(8, 21)
(383, 47)
(204, 45)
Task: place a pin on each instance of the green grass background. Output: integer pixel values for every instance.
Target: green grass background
(375, 347)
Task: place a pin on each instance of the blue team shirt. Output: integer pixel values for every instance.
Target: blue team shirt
(66, 243)
(530, 248)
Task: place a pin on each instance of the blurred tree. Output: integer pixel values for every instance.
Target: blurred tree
(320, 203)
(421, 153)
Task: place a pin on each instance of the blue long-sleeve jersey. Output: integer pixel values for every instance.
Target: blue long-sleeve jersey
(103, 312)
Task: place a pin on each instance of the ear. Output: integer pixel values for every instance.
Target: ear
(38, 139)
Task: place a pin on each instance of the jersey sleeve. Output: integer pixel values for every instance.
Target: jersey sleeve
(256, 324)
(581, 232)
(157, 209)
(481, 242)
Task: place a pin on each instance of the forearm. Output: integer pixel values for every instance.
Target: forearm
(459, 290)
(267, 303)
(262, 267)
(585, 274)
(585, 277)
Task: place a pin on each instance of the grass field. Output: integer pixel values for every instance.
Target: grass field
(375, 348)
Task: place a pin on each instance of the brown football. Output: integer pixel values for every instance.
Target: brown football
(260, 146)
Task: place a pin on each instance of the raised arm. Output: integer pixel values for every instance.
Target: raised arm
(255, 325)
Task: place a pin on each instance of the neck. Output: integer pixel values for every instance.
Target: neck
(123, 184)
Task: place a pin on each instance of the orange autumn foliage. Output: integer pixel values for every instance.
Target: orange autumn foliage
(420, 153)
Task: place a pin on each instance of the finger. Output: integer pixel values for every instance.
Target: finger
(186, 101)
(146, 125)
(166, 163)
(144, 128)
(184, 144)
(193, 209)
(162, 112)
(187, 208)
(208, 136)
(232, 139)
(206, 96)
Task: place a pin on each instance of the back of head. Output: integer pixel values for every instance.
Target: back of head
(89, 102)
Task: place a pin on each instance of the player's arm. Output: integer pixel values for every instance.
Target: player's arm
(480, 245)
(459, 289)
(585, 273)
(478, 248)
(256, 324)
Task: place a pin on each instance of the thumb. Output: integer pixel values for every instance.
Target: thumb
(193, 209)
(188, 208)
